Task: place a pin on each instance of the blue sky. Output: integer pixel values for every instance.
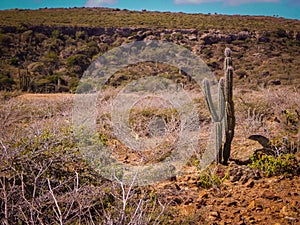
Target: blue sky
(282, 8)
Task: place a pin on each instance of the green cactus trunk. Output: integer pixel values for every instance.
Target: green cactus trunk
(224, 114)
(230, 117)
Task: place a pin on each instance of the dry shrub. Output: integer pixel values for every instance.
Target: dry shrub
(44, 179)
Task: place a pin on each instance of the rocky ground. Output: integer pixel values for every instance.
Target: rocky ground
(246, 197)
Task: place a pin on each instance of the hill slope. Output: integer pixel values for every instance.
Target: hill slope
(47, 50)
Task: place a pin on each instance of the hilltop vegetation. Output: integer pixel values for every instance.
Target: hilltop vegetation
(48, 50)
(105, 17)
(46, 177)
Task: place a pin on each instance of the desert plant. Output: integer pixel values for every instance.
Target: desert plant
(6, 82)
(44, 180)
(133, 205)
(254, 121)
(24, 80)
(217, 114)
(213, 177)
(230, 118)
(274, 165)
(225, 93)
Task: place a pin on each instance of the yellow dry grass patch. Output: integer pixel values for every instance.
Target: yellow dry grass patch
(30, 96)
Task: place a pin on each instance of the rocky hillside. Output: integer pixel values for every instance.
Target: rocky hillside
(48, 50)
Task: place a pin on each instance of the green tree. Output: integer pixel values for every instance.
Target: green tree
(6, 82)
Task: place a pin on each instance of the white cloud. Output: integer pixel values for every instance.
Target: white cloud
(97, 3)
(227, 2)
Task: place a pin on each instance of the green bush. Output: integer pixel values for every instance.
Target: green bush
(271, 165)
(280, 33)
(78, 59)
(209, 179)
(5, 39)
(6, 82)
(51, 56)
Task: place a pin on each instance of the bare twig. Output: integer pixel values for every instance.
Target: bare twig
(58, 212)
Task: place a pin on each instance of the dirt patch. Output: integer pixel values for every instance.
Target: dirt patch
(29, 96)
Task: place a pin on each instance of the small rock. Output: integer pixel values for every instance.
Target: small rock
(268, 211)
(210, 39)
(265, 74)
(238, 211)
(269, 195)
(188, 201)
(274, 82)
(252, 205)
(177, 200)
(252, 220)
(294, 203)
(214, 215)
(249, 184)
(292, 219)
(186, 178)
(243, 35)
(284, 211)
(203, 194)
(244, 179)
(177, 187)
(222, 222)
(232, 203)
(193, 37)
(259, 208)
(263, 39)
(235, 176)
(173, 178)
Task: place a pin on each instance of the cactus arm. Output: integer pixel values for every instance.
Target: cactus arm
(218, 147)
(217, 114)
(221, 99)
(207, 94)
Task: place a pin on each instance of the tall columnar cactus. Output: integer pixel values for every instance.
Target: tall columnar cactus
(217, 113)
(24, 81)
(224, 115)
(230, 117)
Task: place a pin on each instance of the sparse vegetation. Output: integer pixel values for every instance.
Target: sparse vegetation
(223, 116)
(212, 178)
(274, 165)
(44, 178)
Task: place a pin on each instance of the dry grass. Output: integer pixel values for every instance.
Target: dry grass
(43, 177)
